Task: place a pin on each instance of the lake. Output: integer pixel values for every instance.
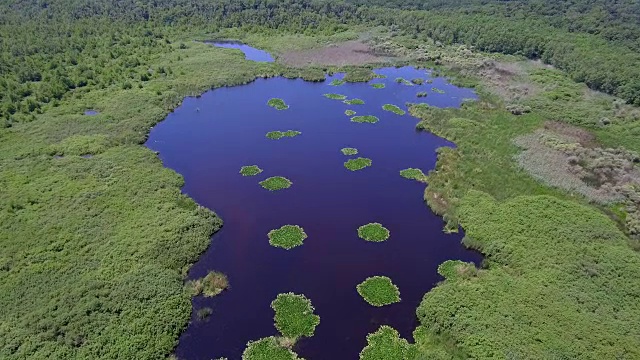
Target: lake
(207, 139)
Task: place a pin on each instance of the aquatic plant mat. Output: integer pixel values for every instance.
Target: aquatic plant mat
(269, 348)
(357, 164)
(287, 237)
(413, 174)
(374, 232)
(276, 183)
(379, 291)
(335, 96)
(386, 344)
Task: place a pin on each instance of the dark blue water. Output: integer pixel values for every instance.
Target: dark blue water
(209, 146)
(91, 112)
(250, 53)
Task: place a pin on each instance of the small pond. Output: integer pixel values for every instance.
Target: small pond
(91, 112)
(250, 53)
(208, 139)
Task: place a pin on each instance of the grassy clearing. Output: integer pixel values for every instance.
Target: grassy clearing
(354, 102)
(374, 232)
(386, 344)
(349, 112)
(337, 82)
(287, 237)
(335, 96)
(250, 170)
(379, 291)
(268, 349)
(437, 91)
(277, 135)
(378, 85)
(278, 104)
(357, 164)
(349, 151)
(276, 183)
(370, 119)
(294, 316)
(394, 109)
(413, 174)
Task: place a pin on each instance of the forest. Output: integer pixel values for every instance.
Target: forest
(88, 273)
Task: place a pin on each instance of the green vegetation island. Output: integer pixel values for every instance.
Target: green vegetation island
(287, 237)
(543, 178)
(374, 232)
(277, 135)
(394, 109)
(250, 170)
(379, 291)
(357, 164)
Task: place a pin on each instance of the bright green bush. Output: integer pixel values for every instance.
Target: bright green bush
(268, 349)
(413, 174)
(386, 344)
(379, 291)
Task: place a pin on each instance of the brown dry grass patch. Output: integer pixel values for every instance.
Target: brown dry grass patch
(353, 52)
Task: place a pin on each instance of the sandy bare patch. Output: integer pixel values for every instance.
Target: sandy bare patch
(346, 53)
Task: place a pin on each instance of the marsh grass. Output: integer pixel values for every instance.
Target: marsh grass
(394, 109)
(287, 237)
(386, 344)
(357, 164)
(268, 349)
(379, 291)
(354, 102)
(378, 85)
(337, 82)
(374, 232)
(250, 170)
(349, 151)
(277, 135)
(456, 270)
(349, 112)
(278, 104)
(294, 316)
(335, 96)
(413, 174)
(370, 119)
(276, 183)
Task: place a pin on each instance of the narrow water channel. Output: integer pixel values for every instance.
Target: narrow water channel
(208, 139)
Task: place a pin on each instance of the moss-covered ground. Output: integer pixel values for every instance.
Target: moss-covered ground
(287, 237)
(379, 291)
(357, 164)
(374, 232)
(276, 183)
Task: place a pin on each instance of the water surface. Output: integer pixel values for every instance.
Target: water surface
(208, 139)
(250, 53)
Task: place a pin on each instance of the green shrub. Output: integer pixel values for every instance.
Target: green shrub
(373, 232)
(276, 183)
(294, 316)
(379, 291)
(378, 85)
(268, 349)
(403, 81)
(287, 237)
(437, 91)
(417, 81)
(422, 94)
(386, 344)
(349, 112)
(357, 164)
(359, 75)
(413, 174)
(337, 82)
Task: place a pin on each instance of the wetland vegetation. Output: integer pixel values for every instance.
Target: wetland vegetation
(294, 316)
(354, 102)
(413, 174)
(394, 109)
(276, 183)
(357, 164)
(349, 151)
(370, 119)
(379, 291)
(277, 135)
(542, 178)
(349, 112)
(250, 170)
(287, 237)
(335, 96)
(373, 232)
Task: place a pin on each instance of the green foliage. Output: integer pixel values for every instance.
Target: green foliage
(403, 81)
(277, 135)
(570, 258)
(357, 164)
(276, 183)
(294, 316)
(268, 349)
(277, 104)
(354, 102)
(456, 269)
(437, 91)
(349, 151)
(337, 82)
(335, 96)
(287, 237)
(359, 75)
(413, 174)
(365, 119)
(250, 170)
(373, 232)
(386, 344)
(379, 291)
(394, 109)
(349, 112)
(378, 85)
(81, 145)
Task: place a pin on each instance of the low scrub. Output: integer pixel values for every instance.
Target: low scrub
(268, 349)
(386, 344)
